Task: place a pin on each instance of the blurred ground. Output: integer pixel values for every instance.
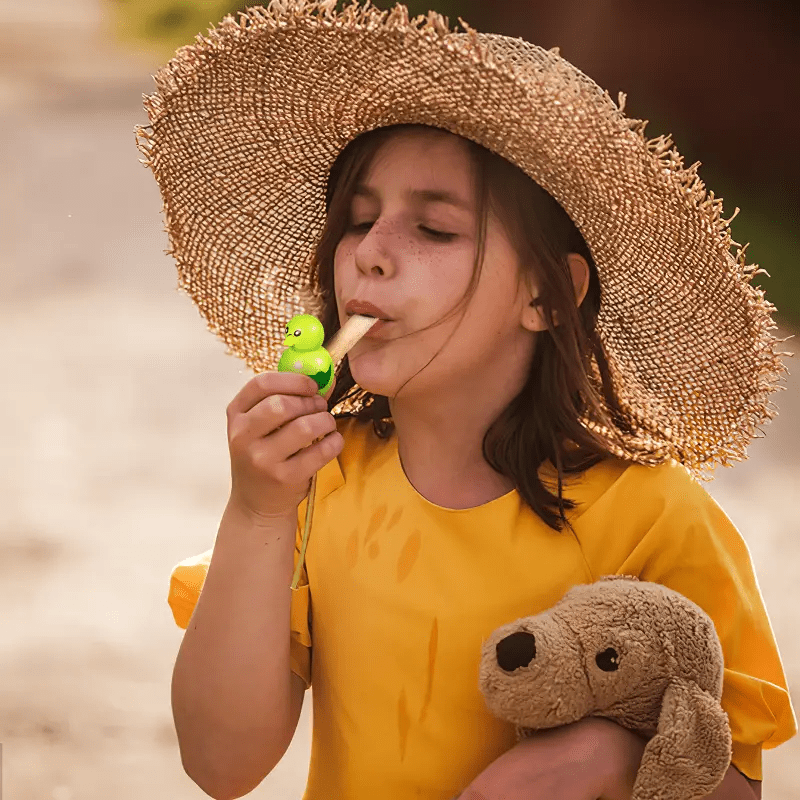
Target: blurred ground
(113, 433)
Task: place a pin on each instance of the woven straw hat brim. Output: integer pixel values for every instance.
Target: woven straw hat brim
(247, 122)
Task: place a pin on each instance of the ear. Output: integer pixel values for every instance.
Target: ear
(579, 270)
(691, 752)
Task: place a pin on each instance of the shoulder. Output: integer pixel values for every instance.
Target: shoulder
(617, 487)
(660, 487)
(670, 483)
(651, 514)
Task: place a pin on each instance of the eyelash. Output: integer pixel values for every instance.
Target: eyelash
(438, 235)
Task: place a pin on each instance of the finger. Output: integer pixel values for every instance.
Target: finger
(268, 383)
(272, 414)
(294, 440)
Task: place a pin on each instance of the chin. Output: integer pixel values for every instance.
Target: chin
(375, 373)
(374, 380)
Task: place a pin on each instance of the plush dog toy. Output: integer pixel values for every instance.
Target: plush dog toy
(637, 653)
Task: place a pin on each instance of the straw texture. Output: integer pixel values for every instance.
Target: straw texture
(246, 123)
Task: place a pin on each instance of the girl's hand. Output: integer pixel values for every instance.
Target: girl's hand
(565, 763)
(279, 434)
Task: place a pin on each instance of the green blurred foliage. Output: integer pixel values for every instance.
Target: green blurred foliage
(165, 25)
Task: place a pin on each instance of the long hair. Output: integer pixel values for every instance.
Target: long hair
(542, 421)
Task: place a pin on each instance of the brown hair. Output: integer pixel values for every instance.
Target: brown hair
(558, 385)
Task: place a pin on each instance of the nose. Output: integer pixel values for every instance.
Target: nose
(516, 650)
(377, 249)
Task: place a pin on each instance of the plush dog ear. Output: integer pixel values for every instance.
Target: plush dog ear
(689, 756)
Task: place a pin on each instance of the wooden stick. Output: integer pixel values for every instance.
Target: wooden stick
(348, 336)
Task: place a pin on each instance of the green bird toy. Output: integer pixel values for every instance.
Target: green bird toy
(305, 353)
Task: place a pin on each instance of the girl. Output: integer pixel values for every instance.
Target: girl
(569, 341)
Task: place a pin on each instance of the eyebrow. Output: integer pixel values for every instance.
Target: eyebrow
(421, 195)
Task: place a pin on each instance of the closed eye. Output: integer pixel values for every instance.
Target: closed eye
(438, 235)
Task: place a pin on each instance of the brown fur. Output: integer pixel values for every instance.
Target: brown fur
(662, 678)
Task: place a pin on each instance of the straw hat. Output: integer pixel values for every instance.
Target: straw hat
(247, 122)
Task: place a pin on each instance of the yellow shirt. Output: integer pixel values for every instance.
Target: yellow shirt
(398, 594)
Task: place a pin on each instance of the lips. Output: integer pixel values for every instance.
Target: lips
(367, 309)
(375, 332)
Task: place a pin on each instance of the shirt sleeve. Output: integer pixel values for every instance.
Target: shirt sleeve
(186, 583)
(693, 548)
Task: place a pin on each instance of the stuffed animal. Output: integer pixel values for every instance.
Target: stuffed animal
(305, 353)
(634, 652)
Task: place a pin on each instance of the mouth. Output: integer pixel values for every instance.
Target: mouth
(365, 309)
(376, 331)
(371, 316)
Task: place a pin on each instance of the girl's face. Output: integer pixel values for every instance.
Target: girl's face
(410, 248)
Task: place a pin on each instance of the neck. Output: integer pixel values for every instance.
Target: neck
(444, 461)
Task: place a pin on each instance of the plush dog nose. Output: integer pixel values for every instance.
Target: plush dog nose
(516, 650)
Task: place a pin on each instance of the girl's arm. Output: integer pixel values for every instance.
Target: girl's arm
(627, 749)
(232, 685)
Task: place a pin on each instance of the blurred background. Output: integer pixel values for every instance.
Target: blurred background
(113, 404)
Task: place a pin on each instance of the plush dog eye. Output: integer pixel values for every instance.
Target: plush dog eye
(608, 660)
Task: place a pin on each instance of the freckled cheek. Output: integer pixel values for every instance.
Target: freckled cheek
(449, 275)
(341, 256)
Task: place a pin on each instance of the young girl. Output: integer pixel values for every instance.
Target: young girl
(569, 341)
